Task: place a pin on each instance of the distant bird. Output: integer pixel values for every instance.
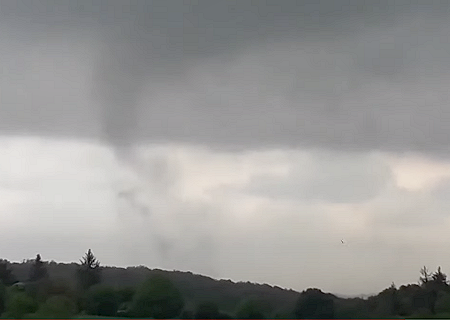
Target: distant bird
(342, 241)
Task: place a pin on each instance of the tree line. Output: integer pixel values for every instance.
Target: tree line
(40, 296)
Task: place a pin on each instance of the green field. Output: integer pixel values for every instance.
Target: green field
(97, 317)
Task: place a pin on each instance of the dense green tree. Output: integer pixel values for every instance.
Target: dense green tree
(18, 304)
(207, 310)
(59, 287)
(387, 302)
(6, 275)
(2, 297)
(250, 309)
(126, 294)
(39, 290)
(187, 314)
(431, 285)
(314, 304)
(283, 315)
(38, 269)
(355, 308)
(413, 298)
(45, 288)
(89, 271)
(443, 302)
(429, 298)
(422, 313)
(439, 281)
(406, 295)
(101, 300)
(56, 307)
(158, 298)
(223, 315)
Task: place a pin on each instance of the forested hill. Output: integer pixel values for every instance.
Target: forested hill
(110, 291)
(195, 288)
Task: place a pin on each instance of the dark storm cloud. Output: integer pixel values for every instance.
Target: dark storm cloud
(336, 74)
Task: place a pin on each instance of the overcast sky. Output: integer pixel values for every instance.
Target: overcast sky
(236, 139)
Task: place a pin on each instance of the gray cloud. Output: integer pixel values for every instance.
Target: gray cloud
(406, 212)
(334, 74)
(203, 222)
(329, 178)
(441, 189)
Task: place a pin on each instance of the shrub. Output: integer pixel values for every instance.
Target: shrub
(207, 310)
(102, 301)
(2, 297)
(158, 298)
(250, 309)
(18, 304)
(56, 307)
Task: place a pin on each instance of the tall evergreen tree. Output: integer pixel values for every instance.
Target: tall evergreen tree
(431, 285)
(426, 276)
(89, 271)
(38, 270)
(439, 278)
